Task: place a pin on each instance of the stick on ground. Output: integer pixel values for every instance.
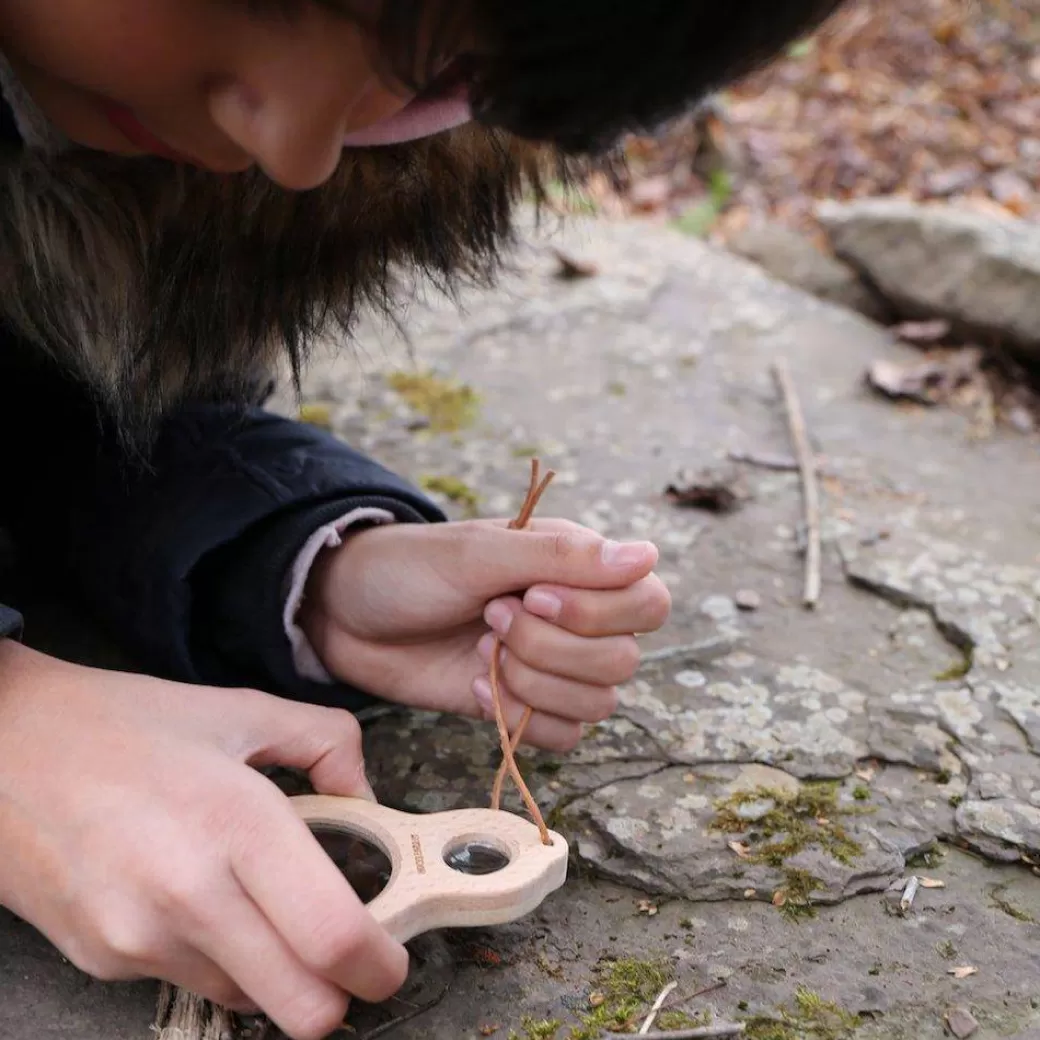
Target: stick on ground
(807, 467)
(658, 1004)
(724, 1029)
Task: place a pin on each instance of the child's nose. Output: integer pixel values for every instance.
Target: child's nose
(292, 121)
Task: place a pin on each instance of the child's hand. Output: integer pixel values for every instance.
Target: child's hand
(403, 611)
(135, 836)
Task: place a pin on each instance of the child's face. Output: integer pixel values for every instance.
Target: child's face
(226, 84)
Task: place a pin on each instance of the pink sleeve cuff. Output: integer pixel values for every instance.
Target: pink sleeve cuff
(308, 664)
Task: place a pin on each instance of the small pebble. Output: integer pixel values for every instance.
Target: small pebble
(748, 599)
(961, 1022)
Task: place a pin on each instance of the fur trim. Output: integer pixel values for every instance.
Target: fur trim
(155, 283)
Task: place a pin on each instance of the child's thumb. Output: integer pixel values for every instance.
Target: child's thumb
(499, 560)
(325, 742)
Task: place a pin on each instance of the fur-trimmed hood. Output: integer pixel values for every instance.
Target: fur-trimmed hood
(154, 283)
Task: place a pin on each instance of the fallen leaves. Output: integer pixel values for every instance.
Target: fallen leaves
(718, 490)
(963, 972)
(930, 100)
(932, 380)
(571, 269)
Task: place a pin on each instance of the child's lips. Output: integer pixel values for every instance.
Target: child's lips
(140, 137)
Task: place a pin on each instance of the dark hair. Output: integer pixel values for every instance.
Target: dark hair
(582, 73)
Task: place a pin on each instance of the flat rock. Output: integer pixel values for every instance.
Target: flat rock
(659, 364)
(792, 258)
(980, 272)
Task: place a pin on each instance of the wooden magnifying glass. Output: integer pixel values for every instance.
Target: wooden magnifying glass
(467, 868)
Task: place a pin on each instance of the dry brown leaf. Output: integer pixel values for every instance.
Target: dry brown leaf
(922, 331)
(716, 489)
(931, 381)
(888, 98)
(779, 898)
(928, 882)
(571, 269)
(597, 999)
(963, 972)
(742, 850)
(646, 907)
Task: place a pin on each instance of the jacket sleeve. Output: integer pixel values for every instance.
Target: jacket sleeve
(10, 623)
(187, 559)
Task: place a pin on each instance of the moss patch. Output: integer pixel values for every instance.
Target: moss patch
(537, 1029)
(455, 490)
(999, 899)
(811, 1018)
(316, 414)
(793, 823)
(623, 991)
(959, 669)
(929, 857)
(449, 406)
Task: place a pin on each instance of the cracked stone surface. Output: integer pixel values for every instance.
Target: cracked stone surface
(912, 694)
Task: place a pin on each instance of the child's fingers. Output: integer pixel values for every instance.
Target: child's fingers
(642, 607)
(546, 731)
(569, 699)
(488, 559)
(602, 661)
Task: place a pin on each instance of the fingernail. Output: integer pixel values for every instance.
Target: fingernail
(544, 604)
(365, 791)
(498, 617)
(482, 693)
(625, 554)
(486, 647)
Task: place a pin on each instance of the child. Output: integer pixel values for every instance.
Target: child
(192, 191)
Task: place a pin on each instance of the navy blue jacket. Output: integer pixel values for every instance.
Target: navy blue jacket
(185, 560)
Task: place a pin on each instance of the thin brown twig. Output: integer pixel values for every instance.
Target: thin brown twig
(807, 467)
(509, 742)
(724, 1029)
(534, 494)
(645, 1028)
(680, 1000)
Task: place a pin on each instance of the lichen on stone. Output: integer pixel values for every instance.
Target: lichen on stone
(454, 490)
(447, 405)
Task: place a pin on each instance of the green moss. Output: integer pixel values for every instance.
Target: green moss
(616, 388)
(810, 818)
(448, 406)
(670, 1021)
(454, 490)
(929, 857)
(797, 891)
(959, 669)
(811, 1018)
(315, 414)
(861, 793)
(626, 989)
(526, 451)
(944, 776)
(946, 950)
(955, 800)
(998, 898)
(533, 1029)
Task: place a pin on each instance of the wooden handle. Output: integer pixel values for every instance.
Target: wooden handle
(424, 893)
